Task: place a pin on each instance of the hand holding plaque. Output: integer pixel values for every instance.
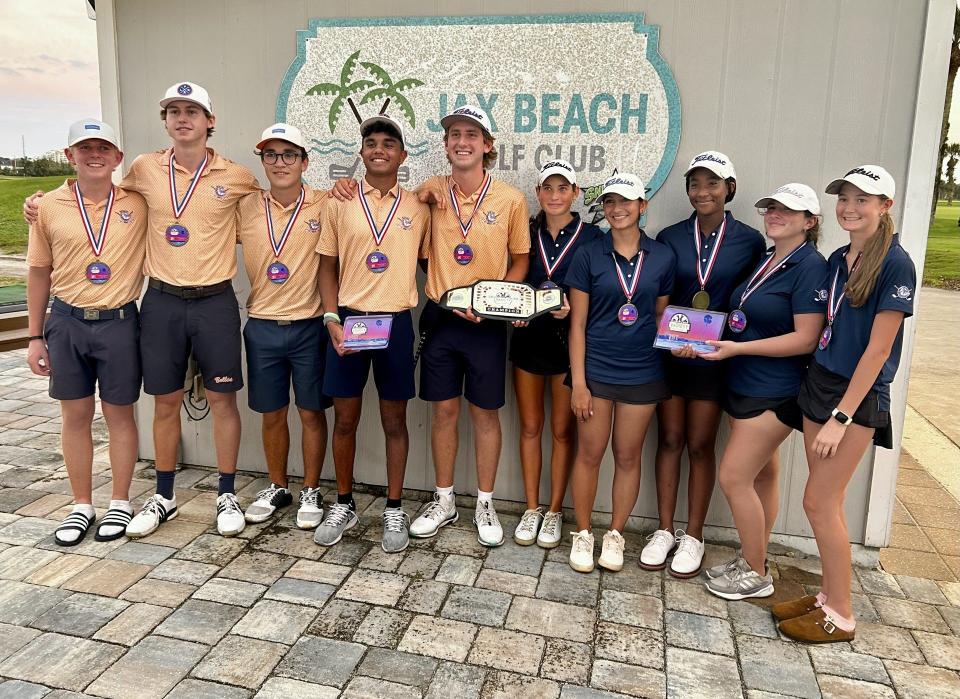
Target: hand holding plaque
(502, 300)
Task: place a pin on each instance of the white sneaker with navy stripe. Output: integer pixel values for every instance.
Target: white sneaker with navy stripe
(230, 520)
(155, 511)
(266, 503)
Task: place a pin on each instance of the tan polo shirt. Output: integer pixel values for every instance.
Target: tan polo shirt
(59, 239)
(208, 256)
(501, 225)
(347, 236)
(299, 296)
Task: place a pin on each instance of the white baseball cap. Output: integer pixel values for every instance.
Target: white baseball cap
(558, 167)
(468, 113)
(284, 132)
(871, 179)
(626, 185)
(714, 161)
(796, 196)
(86, 129)
(187, 92)
(383, 119)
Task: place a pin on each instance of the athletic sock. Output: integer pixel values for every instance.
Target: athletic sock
(225, 484)
(86, 508)
(445, 492)
(393, 503)
(71, 535)
(841, 622)
(113, 529)
(165, 483)
(821, 599)
(346, 499)
(484, 497)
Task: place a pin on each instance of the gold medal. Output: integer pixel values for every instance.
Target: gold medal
(701, 300)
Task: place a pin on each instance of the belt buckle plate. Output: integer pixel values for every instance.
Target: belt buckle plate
(192, 292)
(284, 322)
(91, 314)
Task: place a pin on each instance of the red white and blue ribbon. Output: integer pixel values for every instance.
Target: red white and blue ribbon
(703, 275)
(180, 205)
(274, 243)
(628, 289)
(763, 274)
(563, 253)
(379, 233)
(834, 301)
(96, 241)
(465, 227)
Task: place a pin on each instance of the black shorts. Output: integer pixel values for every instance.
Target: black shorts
(822, 390)
(170, 327)
(744, 407)
(393, 369)
(278, 354)
(87, 353)
(637, 394)
(462, 358)
(541, 347)
(695, 381)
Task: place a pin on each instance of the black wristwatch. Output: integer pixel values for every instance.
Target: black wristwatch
(841, 417)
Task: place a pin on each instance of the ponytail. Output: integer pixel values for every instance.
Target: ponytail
(861, 282)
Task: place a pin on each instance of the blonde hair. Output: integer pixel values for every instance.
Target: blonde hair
(861, 282)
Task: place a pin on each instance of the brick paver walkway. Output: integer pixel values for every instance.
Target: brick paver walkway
(185, 613)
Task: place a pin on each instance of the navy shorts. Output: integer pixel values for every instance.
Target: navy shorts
(85, 353)
(171, 326)
(463, 358)
(393, 366)
(278, 353)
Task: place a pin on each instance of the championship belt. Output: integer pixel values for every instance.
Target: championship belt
(502, 300)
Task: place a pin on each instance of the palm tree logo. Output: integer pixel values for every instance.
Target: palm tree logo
(391, 90)
(343, 92)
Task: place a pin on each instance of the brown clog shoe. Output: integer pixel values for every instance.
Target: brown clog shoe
(794, 608)
(814, 627)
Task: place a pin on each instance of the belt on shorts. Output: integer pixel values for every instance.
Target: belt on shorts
(346, 311)
(127, 309)
(189, 292)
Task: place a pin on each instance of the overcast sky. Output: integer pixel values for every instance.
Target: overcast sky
(48, 73)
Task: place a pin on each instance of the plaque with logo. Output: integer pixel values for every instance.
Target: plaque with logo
(501, 300)
(680, 326)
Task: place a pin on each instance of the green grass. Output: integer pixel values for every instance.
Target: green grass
(13, 230)
(942, 266)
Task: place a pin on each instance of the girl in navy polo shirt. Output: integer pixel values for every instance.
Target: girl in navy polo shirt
(715, 252)
(540, 356)
(845, 397)
(775, 320)
(619, 285)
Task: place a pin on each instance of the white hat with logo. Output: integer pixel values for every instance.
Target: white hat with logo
(714, 161)
(871, 179)
(558, 167)
(626, 185)
(187, 92)
(86, 129)
(468, 112)
(283, 132)
(795, 196)
(383, 119)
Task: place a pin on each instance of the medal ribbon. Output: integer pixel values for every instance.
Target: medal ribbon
(96, 241)
(563, 253)
(834, 306)
(704, 275)
(180, 205)
(379, 233)
(274, 243)
(628, 291)
(465, 228)
(760, 276)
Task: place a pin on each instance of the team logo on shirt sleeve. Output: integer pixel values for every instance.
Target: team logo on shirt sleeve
(820, 295)
(219, 191)
(904, 293)
(406, 223)
(314, 225)
(491, 217)
(125, 216)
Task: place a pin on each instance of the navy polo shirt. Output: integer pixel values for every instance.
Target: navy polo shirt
(739, 254)
(537, 274)
(615, 353)
(797, 287)
(894, 291)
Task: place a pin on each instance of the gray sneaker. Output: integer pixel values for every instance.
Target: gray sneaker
(741, 583)
(396, 525)
(339, 519)
(718, 571)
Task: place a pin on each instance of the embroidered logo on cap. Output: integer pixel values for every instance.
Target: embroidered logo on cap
(91, 127)
(185, 89)
(787, 189)
(556, 163)
(278, 131)
(866, 173)
(711, 157)
(619, 180)
(466, 111)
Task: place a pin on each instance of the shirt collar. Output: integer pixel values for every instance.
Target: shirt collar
(214, 160)
(369, 189)
(727, 216)
(799, 256)
(646, 244)
(308, 198)
(459, 192)
(65, 191)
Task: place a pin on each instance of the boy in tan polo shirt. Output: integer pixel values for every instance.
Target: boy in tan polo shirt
(369, 248)
(86, 248)
(284, 334)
